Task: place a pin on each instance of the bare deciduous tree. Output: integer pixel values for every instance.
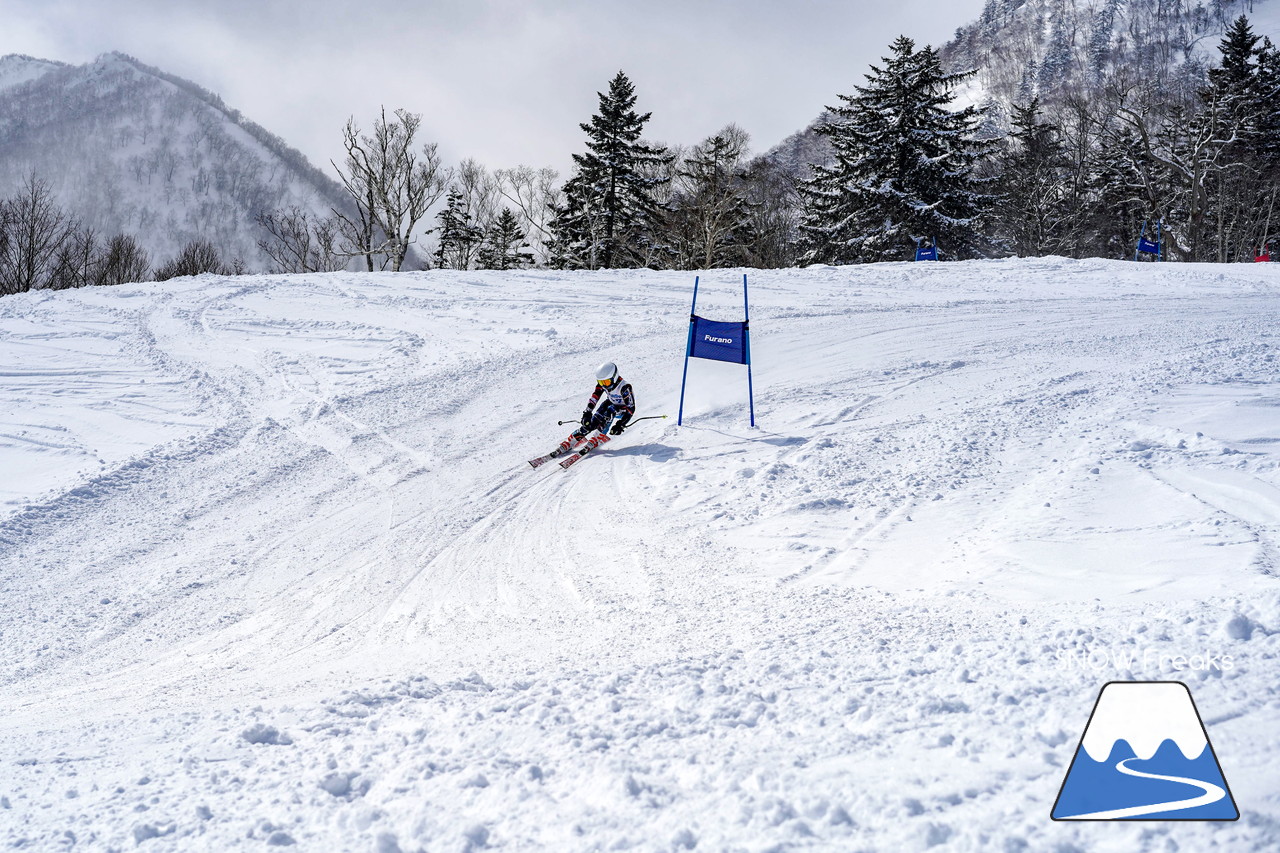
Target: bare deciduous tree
(299, 243)
(35, 229)
(536, 196)
(198, 256)
(78, 262)
(774, 203)
(125, 261)
(392, 185)
(1189, 149)
(360, 231)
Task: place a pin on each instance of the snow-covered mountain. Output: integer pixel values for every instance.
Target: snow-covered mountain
(799, 151)
(128, 148)
(16, 69)
(274, 569)
(1053, 49)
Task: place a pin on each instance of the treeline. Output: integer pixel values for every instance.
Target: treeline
(42, 247)
(1077, 175)
(629, 203)
(1078, 178)
(1198, 165)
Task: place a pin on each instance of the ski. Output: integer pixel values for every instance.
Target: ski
(591, 445)
(565, 446)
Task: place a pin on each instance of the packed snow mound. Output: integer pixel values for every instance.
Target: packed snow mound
(276, 571)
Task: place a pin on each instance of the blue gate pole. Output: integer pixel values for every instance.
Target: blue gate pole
(746, 344)
(1141, 234)
(1160, 240)
(688, 348)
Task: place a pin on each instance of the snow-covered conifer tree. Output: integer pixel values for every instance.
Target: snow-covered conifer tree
(609, 212)
(1035, 213)
(504, 244)
(904, 167)
(459, 236)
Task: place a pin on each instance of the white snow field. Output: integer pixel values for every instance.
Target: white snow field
(274, 570)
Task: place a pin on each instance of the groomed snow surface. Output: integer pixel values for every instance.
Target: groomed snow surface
(274, 570)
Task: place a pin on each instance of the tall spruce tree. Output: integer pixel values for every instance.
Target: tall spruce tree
(904, 167)
(609, 216)
(1268, 93)
(1243, 88)
(1238, 88)
(1034, 213)
(1268, 148)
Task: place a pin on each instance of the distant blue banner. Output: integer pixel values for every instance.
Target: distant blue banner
(1148, 246)
(927, 253)
(718, 341)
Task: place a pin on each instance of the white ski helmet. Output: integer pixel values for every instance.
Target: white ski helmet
(607, 374)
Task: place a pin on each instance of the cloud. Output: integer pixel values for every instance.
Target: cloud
(505, 82)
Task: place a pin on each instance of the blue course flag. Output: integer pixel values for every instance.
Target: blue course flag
(719, 341)
(1147, 246)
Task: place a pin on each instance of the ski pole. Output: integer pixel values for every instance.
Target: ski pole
(636, 421)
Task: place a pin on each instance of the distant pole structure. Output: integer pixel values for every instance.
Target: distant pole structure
(1146, 246)
(719, 341)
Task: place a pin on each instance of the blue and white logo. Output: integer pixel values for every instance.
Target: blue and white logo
(1145, 755)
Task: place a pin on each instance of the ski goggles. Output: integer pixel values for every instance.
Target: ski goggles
(605, 382)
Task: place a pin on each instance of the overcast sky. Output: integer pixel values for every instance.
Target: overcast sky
(503, 81)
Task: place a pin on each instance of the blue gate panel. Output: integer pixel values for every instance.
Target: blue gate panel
(719, 341)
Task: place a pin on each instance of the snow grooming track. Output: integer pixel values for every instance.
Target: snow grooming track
(275, 569)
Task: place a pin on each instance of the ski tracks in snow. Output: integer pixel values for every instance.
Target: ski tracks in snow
(353, 616)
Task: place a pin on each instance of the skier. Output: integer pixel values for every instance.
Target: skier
(617, 408)
(617, 404)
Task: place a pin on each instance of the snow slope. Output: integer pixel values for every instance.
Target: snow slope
(274, 570)
(16, 69)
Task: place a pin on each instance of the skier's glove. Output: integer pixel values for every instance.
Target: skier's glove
(586, 418)
(617, 429)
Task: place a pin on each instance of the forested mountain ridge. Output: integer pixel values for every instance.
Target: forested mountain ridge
(1056, 49)
(125, 147)
(1052, 49)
